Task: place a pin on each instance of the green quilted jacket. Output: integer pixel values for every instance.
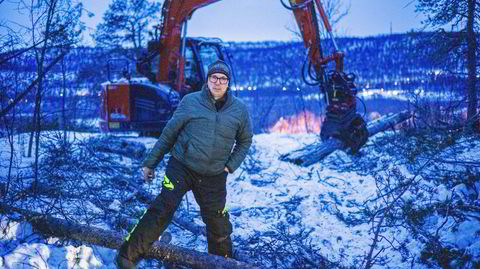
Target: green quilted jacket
(203, 139)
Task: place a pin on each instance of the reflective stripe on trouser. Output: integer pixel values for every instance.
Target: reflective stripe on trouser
(210, 194)
(133, 229)
(156, 218)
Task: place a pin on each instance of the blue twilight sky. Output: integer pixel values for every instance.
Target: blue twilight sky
(257, 20)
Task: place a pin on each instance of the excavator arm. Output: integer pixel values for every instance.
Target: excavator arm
(339, 89)
(341, 119)
(305, 15)
(174, 16)
(176, 13)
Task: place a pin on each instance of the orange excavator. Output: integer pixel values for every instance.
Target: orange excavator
(176, 65)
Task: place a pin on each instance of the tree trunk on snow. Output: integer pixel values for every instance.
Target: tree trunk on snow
(51, 226)
(471, 65)
(314, 153)
(119, 146)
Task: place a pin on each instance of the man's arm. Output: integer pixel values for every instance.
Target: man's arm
(243, 141)
(168, 137)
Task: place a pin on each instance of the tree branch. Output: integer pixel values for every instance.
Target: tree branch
(32, 85)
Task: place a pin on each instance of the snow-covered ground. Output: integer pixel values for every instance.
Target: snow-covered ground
(328, 199)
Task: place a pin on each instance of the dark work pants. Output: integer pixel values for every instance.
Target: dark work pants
(210, 193)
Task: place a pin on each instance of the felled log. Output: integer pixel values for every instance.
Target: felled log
(50, 226)
(314, 153)
(119, 146)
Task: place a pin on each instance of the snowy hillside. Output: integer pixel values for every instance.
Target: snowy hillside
(416, 198)
(389, 61)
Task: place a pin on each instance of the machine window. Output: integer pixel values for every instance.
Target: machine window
(191, 71)
(208, 54)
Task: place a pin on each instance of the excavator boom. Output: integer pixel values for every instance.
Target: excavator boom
(176, 13)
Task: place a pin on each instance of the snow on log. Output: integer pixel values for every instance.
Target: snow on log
(314, 153)
(61, 228)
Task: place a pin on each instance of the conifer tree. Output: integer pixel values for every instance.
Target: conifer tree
(125, 24)
(462, 16)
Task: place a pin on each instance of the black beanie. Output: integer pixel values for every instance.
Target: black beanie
(219, 67)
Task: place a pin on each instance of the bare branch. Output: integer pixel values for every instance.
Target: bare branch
(32, 85)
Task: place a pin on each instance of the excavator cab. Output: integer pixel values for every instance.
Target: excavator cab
(199, 54)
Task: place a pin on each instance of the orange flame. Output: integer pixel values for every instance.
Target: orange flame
(304, 122)
(308, 122)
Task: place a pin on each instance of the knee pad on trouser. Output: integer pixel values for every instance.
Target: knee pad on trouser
(148, 229)
(219, 229)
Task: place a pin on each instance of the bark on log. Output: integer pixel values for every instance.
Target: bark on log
(314, 153)
(56, 227)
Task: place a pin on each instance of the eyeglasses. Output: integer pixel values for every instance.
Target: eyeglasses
(213, 79)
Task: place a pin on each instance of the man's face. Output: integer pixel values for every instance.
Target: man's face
(217, 84)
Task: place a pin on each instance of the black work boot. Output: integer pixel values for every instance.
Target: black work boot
(124, 263)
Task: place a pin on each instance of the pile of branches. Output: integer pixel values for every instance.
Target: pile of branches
(283, 248)
(425, 189)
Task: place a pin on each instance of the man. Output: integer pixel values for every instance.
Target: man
(201, 134)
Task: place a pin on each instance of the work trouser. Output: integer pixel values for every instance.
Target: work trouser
(210, 193)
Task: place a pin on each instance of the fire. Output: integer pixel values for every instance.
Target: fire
(308, 122)
(304, 122)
